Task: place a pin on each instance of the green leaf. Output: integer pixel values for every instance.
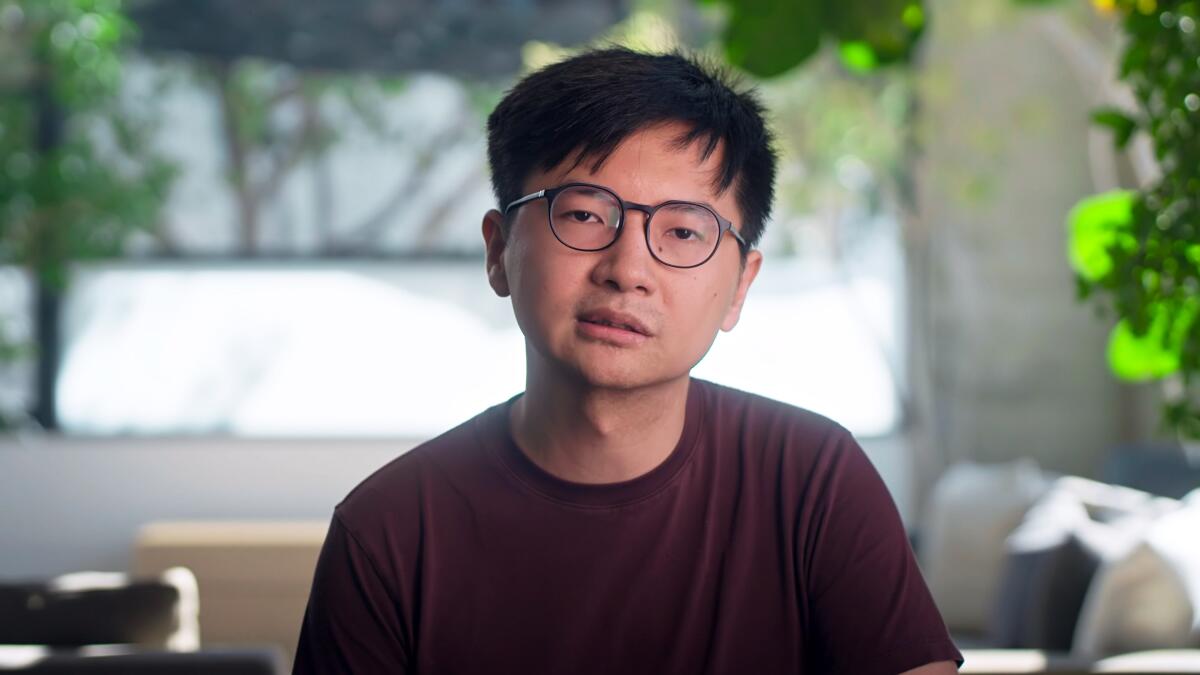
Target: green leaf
(1158, 352)
(1121, 124)
(1096, 225)
(858, 56)
(874, 32)
(1193, 254)
(769, 38)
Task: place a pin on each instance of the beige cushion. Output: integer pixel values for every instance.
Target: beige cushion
(970, 513)
(253, 576)
(1148, 598)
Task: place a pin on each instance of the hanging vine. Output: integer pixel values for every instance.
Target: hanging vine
(1138, 251)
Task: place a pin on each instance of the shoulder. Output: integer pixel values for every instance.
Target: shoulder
(800, 451)
(763, 421)
(402, 487)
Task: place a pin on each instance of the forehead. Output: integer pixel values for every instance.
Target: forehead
(651, 164)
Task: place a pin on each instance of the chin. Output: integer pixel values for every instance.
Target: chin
(603, 373)
(610, 380)
(603, 367)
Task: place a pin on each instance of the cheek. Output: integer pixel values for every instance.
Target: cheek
(717, 295)
(703, 309)
(540, 285)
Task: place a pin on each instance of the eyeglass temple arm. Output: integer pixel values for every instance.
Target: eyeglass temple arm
(527, 198)
(737, 235)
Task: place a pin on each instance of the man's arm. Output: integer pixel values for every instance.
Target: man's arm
(939, 668)
(872, 613)
(353, 622)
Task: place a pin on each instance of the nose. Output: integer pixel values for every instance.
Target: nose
(626, 265)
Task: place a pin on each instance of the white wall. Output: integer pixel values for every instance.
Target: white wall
(1010, 363)
(75, 504)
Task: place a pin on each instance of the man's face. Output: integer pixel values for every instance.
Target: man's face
(559, 293)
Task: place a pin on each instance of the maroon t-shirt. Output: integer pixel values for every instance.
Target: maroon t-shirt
(765, 543)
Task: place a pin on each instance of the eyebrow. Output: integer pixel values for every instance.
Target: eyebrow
(701, 203)
(568, 179)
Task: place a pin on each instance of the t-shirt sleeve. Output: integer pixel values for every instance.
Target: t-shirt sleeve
(869, 607)
(352, 623)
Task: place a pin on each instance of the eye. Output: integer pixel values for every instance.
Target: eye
(580, 216)
(683, 233)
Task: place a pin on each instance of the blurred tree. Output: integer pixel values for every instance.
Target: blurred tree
(272, 64)
(768, 37)
(77, 177)
(277, 119)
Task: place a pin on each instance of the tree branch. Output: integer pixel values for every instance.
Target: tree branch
(237, 158)
(369, 228)
(289, 159)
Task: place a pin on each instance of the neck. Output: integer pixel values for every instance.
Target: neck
(586, 434)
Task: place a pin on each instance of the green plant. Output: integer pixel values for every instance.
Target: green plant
(77, 176)
(768, 38)
(1139, 251)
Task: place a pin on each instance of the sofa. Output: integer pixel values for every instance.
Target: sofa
(1036, 572)
(109, 622)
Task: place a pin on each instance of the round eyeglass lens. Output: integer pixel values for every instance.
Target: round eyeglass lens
(585, 218)
(683, 234)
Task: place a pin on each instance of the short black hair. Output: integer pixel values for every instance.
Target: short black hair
(591, 102)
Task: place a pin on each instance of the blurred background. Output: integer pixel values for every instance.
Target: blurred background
(241, 268)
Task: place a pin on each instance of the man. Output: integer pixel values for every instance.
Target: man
(619, 516)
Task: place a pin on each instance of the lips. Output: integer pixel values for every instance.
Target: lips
(608, 317)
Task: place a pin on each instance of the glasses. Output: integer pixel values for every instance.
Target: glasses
(589, 217)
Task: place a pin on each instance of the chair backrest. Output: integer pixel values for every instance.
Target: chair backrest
(88, 608)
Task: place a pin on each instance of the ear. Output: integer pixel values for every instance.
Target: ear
(749, 271)
(493, 239)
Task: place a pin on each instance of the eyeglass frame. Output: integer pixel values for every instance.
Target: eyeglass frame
(724, 224)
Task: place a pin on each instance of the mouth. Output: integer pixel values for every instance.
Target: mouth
(611, 324)
(615, 320)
